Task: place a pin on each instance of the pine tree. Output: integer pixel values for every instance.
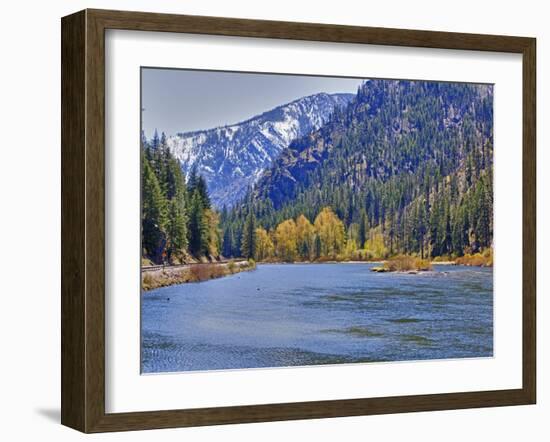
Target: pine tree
(483, 233)
(228, 246)
(363, 229)
(144, 143)
(197, 227)
(176, 230)
(202, 190)
(248, 241)
(434, 230)
(192, 179)
(448, 239)
(174, 182)
(421, 226)
(155, 142)
(153, 215)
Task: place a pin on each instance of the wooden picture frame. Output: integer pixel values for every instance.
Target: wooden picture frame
(83, 220)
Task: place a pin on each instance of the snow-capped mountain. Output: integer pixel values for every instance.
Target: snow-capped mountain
(232, 158)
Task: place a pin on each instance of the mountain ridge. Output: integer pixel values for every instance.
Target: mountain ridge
(346, 96)
(232, 157)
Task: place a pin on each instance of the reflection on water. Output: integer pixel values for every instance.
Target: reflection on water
(308, 314)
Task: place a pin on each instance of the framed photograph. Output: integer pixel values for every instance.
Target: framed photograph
(268, 221)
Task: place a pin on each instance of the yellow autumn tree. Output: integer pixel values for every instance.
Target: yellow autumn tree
(350, 251)
(305, 238)
(352, 242)
(212, 221)
(264, 246)
(375, 247)
(331, 233)
(285, 241)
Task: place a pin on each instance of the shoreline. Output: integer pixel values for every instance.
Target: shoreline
(165, 276)
(385, 266)
(317, 262)
(188, 273)
(379, 262)
(441, 263)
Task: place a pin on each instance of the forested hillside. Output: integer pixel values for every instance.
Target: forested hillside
(406, 167)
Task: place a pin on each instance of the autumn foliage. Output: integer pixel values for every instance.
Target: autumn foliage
(323, 240)
(484, 259)
(405, 263)
(327, 239)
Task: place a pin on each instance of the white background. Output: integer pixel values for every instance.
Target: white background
(128, 391)
(30, 219)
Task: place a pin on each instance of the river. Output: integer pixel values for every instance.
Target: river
(282, 315)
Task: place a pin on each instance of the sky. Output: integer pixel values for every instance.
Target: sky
(178, 100)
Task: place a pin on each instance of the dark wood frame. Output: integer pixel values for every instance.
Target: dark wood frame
(83, 216)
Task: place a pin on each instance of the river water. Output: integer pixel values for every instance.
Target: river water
(283, 315)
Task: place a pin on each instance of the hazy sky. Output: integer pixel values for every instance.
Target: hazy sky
(177, 100)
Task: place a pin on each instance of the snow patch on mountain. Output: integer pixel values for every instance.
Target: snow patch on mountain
(232, 158)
